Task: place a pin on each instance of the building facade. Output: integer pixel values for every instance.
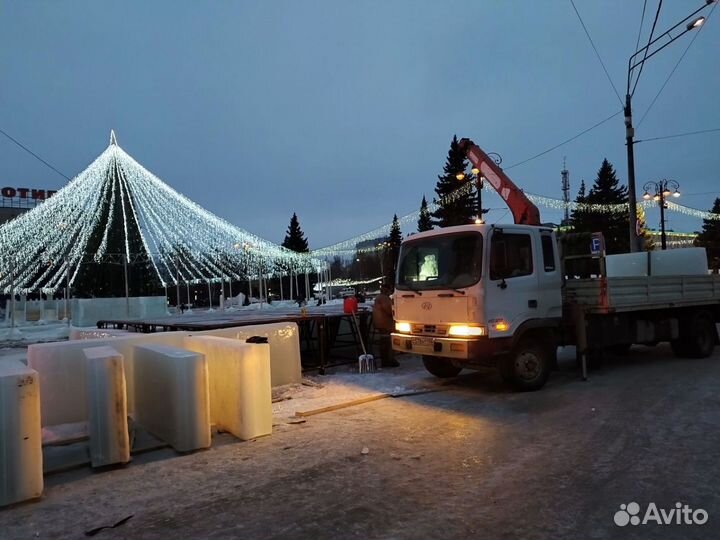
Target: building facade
(17, 201)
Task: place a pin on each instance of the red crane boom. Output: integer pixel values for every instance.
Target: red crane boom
(523, 210)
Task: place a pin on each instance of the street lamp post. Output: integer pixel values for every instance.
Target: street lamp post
(662, 192)
(497, 158)
(479, 186)
(650, 50)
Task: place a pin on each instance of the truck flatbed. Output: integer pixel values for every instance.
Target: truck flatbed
(623, 294)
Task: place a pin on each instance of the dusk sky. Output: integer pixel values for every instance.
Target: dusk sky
(343, 111)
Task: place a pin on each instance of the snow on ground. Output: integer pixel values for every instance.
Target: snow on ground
(22, 336)
(26, 333)
(344, 384)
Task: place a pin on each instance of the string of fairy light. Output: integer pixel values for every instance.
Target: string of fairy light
(182, 242)
(43, 249)
(350, 245)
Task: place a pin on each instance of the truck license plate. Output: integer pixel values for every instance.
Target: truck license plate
(422, 342)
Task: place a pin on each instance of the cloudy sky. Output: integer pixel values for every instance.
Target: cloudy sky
(343, 111)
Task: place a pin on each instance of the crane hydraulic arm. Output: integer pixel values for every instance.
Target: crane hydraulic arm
(523, 210)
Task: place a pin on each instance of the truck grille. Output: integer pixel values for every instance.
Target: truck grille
(430, 329)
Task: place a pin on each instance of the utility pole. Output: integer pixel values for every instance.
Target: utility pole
(630, 143)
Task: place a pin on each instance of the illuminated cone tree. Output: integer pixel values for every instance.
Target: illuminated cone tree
(117, 212)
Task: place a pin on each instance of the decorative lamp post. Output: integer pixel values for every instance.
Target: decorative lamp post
(497, 158)
(661, 191)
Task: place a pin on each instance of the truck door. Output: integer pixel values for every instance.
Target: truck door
(511, 295)
(549, 277)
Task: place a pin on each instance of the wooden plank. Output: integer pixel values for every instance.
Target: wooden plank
(375, 397)
(343, 405)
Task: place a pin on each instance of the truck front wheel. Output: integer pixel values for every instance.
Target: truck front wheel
(527, 367)
(440, 367)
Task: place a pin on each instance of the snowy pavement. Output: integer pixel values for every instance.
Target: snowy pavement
(471, 459)
(344, 385)
(21, 336)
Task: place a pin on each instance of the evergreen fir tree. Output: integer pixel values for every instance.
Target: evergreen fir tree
(577, 241)
(577, 216)
(295, 238)
(461, 210)
(614, 225)
(709, 237)
(581, 191)
(394, 241)
(424, 221)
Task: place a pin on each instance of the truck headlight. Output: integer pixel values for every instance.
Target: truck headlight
(403, 327)
(463, 330)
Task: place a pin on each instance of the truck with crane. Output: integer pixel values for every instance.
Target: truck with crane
(480, 295)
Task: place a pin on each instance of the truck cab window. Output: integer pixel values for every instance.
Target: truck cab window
(510, 256)
(436, 263)
(548, 252)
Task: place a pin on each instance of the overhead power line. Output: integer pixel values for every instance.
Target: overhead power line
(697, 33)
(596, 52)
(647, 49)
(642, 20)
(679, 135)
(33, 154)
(601, 122)
(701, 193)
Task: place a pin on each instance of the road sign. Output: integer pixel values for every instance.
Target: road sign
(597, 244)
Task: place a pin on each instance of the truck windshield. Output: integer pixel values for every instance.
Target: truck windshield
(440, 262)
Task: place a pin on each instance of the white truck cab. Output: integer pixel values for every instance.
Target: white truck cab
(470, 295)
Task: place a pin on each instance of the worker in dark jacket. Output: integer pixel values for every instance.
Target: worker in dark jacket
(384, 325)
